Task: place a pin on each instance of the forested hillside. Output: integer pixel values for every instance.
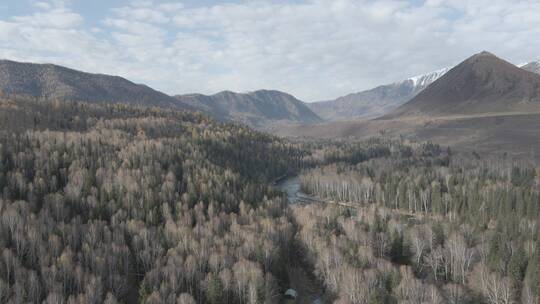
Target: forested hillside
(425, 226)
(260, 109)
(53, 82)
(113, 204)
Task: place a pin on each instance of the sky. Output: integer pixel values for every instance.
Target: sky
(313, 49)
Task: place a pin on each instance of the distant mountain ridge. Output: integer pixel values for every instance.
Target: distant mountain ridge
(484, 104)
(375, 102)
(259, 108)
(483, 83)
(52, 82)
(532, 67)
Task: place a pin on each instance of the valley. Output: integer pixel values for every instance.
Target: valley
(374, 102)
(514, 132)
(484, 104)
(269, 152)
(254, 198)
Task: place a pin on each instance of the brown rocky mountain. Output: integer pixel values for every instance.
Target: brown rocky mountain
(481, 84)
(261, 109)
(53, 82)
(484, 104)
(374, 102)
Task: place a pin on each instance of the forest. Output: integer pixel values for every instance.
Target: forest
(119, 204)
(425, 225)
(112, 204)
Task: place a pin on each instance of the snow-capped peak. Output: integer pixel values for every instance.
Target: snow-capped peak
(426, 79)
(533, 66)
(528, 63)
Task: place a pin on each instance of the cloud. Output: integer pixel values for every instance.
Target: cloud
(315, 49)
(50, 4)
(53, 18)
(43, 5)
(142, 14)
(56, 34)
(50, 14)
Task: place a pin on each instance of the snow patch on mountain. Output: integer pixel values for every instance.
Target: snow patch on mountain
(533, 66)
(426, 79)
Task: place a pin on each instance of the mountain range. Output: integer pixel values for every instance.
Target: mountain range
(483, 104)
(259, 109)
(383, 99)
(374, 102)
(481, 84)
(495, 80)
(52, 82)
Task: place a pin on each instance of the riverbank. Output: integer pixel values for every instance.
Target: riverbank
(301, 275)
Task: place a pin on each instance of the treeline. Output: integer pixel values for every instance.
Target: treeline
(446, 228)
(110, 204)
(325, 152)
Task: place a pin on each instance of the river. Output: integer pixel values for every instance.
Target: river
(309, 290)
(291, 186)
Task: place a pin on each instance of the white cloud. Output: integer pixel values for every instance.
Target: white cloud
(316, 49)
(322, 48)
(43, 5)
(142, 14)
(50, 4)
(170, 7)
(51, 18)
